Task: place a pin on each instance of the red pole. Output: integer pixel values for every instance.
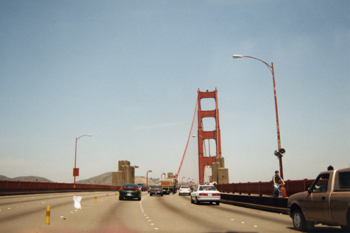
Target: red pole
(277, 120)
(279, 155)
(75, 161)
(75, 170)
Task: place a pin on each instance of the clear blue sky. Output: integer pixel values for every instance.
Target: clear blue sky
(128, 72)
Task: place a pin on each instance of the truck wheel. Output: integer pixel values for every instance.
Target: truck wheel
(217, 203)
(192, 200)
(299, 221)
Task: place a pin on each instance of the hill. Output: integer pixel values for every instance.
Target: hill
(26, 178)
(106, 178)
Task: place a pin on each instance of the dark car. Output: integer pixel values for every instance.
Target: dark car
(156, 190)
(129, 191)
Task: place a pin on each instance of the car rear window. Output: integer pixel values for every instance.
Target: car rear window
(344, 180)
(207, 188)
(130, 186)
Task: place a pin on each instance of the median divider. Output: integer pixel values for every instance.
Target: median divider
(273, 204)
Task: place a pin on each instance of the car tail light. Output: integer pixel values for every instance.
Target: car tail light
(216, 194)
(203, 194)
(123, 189)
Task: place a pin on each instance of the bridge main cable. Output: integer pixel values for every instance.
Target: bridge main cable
(189, 136)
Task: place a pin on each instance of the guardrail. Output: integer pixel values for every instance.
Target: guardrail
(264, 188)
(13, 187)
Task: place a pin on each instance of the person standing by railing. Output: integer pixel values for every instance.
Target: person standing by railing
(276, 182)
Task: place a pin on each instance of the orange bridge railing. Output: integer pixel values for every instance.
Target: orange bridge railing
(264, 188)
(13, 187)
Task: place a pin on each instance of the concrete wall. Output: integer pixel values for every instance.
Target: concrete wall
(125, 174)
(219, 172)
(117, 178)
(214, 171)
(223, 176)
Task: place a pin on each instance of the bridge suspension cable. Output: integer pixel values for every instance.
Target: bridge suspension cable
(187, 143)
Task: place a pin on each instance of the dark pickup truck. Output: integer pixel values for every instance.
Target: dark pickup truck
(326, 202)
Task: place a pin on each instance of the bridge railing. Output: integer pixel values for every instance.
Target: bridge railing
(9, 186)
(264, 188)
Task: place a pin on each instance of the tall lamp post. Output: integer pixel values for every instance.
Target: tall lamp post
(280, 152)
(75, 169)
(182, 180)
(147, 178)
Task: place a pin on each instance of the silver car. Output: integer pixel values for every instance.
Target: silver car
(184, 190)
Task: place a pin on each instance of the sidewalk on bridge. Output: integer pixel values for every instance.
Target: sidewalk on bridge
(272, 204)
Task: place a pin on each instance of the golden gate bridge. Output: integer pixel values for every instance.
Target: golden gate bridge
(203, 147)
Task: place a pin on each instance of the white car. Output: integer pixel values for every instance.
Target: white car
(205, 193)
(184, 190)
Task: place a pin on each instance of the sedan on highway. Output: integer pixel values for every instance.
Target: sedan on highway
(129, 191)
(184, 190)
(205, 193)
(156, 190)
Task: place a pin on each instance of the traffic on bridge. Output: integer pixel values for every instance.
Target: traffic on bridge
(103, 212)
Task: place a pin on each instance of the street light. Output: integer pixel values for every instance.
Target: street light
(182, 180)
(147, 178)
(280, 152)
(75, 169)
(188, 180)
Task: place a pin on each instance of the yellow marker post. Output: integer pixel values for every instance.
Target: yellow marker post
(107, 196)
(115, 195)
(47, 220)
(95, 198)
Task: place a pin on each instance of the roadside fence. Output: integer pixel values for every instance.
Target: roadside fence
(264, 188)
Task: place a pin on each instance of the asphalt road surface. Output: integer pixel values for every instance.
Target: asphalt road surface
(168, 213)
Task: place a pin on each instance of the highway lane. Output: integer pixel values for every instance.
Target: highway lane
(170, 213)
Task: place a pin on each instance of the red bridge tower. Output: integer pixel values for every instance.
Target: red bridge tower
(204, 161)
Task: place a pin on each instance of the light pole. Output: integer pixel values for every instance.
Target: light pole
(182, 180)
(187, 181)
(280, 152)
(75, 169)
(147, 178)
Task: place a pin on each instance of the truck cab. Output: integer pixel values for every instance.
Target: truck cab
(327, 201)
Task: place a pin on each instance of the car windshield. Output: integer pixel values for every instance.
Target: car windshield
(185, 187)
(156, 187)
(207, 188)
(130, 186)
